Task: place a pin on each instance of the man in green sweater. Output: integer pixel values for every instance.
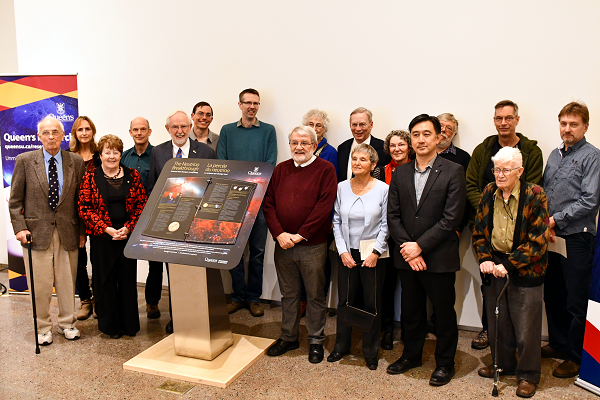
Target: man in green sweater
(479, 172)
(249, 140)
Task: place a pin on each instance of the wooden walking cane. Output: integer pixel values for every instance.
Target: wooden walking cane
(497, 370)
(32, 291)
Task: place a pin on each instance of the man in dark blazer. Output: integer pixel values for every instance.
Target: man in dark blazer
(180, 146)
(425, 205)
(43, 202)
(361, 125)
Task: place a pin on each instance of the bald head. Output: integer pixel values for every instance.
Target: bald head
(139, 129)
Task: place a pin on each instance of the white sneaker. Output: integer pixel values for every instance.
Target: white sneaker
(44, 339)
(70, 333)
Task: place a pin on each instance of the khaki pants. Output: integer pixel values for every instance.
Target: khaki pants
(55, 266)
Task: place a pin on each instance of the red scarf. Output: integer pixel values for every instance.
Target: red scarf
(389, 169)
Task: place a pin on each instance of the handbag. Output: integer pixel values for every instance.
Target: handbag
(356, 317)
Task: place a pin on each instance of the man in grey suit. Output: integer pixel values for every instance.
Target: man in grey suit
(43, 203)
(180, 146)
(425, 205)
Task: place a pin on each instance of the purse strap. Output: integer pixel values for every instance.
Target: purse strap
(375, 291)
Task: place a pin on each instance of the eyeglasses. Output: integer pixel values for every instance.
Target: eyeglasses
(504, 171)
(447, 128)
(313, 125)
(303, 144)
(177, 127)
(508, 119)
(200, 114)
(362, 125)
(251, 103)
(54, 132)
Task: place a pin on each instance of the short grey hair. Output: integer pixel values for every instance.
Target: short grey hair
(50, 118)
(361, 110)
(450, 118)
(316, 113)
(304, 130)
(177, 112)
(508, 153)
(368, 150)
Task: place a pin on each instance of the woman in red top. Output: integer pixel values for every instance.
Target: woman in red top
(111, 200)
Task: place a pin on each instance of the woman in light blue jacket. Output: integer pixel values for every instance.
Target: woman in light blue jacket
(360, 216)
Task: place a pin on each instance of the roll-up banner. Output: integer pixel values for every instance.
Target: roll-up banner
(589, 374)
(24, 101)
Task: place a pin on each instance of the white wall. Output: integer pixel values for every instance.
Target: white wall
(398, 59)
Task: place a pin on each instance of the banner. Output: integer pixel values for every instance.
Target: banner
(24, 101)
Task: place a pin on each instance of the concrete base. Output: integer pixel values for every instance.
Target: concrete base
(161, 360)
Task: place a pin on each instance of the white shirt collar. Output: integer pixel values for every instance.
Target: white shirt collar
(306, 164)
(185, 149)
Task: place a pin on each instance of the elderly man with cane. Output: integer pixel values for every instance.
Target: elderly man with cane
(510, 236)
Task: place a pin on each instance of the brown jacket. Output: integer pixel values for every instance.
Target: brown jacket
(28, 204)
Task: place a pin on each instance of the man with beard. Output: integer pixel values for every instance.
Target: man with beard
(297, 209)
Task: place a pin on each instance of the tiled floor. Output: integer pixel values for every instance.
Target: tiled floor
(91, 367)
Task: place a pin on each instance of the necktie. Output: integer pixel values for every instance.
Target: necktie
(53, 183)
(179, 153)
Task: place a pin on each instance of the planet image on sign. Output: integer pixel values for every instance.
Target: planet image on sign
(173, 226)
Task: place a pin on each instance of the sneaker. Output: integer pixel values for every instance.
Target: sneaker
(86, 309)
(256, 309)
(153, 311)
(233, 306)
(481, 341)
(44, 339)
(70, 333)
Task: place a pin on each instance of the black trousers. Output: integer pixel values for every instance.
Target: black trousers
(82, 283)
(389, 295)
(371, 281)
(566, 294)
(439, 288)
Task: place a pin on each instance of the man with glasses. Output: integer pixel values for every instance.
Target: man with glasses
(479, 172)
(43, 202)
(249, 140)
(180, 146)
(361, 125)
(572, 183)
(202, 115)
(297, 209)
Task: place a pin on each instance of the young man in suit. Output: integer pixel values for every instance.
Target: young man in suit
(361, 125)
(43, 203)
(180, 146)
(425, 205)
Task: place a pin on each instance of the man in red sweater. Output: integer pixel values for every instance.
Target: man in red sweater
(297, 209)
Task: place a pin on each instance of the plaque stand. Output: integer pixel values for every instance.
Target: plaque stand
(202, 348)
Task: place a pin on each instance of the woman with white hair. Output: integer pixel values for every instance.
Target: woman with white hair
(510, 236)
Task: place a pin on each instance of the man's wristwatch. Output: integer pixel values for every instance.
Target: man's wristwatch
(376, 252)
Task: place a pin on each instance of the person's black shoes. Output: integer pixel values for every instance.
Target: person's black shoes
(387, 341)
(281, 347)
(315, 354)
(402, 365)
(335, 356)
(441, 376)
(169, 327)
(372, 363)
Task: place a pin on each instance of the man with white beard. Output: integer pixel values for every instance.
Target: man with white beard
(297, 209)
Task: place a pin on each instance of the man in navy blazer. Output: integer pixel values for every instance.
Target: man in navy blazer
(180, 146)
(425, 205)
(361, 125)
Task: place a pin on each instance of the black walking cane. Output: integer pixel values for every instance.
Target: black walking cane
(497, 370)
(35, 332)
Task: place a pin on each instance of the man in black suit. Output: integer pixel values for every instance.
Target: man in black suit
(180, 146)
(361, 124)
(425, 205)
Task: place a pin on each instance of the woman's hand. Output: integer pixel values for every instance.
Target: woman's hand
(371, 261)
(120, 234)
(347, 260)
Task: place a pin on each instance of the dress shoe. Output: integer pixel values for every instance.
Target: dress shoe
(526, 389)
(402, 365)
(152, 311)
(481, 341)
(387, 341)
(303, 305)
(549, 352)
(256, 309)
(441, 376)
(315, 354)
(281, 347)
(86, 309)
(335, 356)
(488, 372)
(566, 369)
(115, 336)
(372, 363)
(169, 327)
(233, 306)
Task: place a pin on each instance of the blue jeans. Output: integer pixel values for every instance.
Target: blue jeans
(252, 291)
(566, 293)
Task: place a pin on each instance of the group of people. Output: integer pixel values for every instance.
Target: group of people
(393, 208)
